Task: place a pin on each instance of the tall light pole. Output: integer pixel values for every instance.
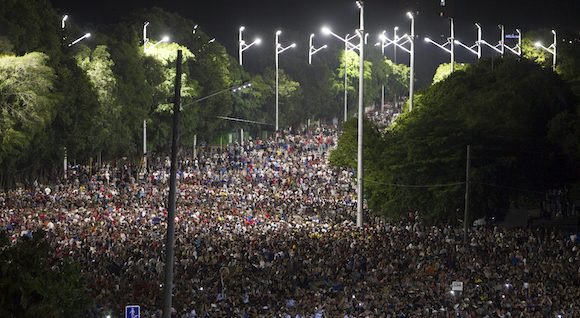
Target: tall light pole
(412, 60)
(62, 21)
(242, 46)
(279, 49)
(450, 42)
(359, 163)
(362, 36)
(517, 49)
(385, 42)
(550, 49)
(312, 50)
(145, 39)
(475, 48)
(411, 50)
(499, 47)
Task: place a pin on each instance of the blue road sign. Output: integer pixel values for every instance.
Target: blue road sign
(132, 311)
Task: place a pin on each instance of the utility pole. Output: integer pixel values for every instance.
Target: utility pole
(466, 210)
(170, 243)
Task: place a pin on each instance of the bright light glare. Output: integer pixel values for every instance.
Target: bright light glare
(165, 39)
(324, 46)
(538, 44)
(258, 41)
(326, 30)
(242, 28)
(409, 15)
(293, 45)
(278, 32)
(88, 35)
(396, 28)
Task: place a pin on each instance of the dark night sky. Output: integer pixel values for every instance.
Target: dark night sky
(222, 18)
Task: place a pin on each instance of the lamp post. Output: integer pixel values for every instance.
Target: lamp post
(242, 46)
(499, 47)
(359, 163)
(475, 48)
(450, 41)
(385, 42)
(411, 50)
(145, 39)
(86, 35)
(362, 36)
(517, 49)
(312, 50)
(62, 24)
(550, 49)
(163, 40)
(279, 49)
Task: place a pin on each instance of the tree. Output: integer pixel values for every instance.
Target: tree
(444, 70)
(505, 119)
(35, 284)
(26, 104)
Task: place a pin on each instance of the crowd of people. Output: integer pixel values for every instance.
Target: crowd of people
(265, 229)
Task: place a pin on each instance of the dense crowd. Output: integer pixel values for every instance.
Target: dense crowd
(265, 230)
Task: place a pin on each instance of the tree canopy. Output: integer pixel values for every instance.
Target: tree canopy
(509, 116)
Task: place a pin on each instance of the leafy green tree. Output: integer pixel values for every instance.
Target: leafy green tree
(507, 122)
(26, 104)
(444, 70)
(35, 284)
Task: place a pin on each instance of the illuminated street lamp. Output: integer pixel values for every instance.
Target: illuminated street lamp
(550, 49)
(165, 39)
(86, 35)
(475, 48)
(145, 39)
(499, 47)
(312, 50)
(450, 42)
(279, 49)
(242, 46)
(362, 36)
(62, 24)
(411, 50)
(517, 49)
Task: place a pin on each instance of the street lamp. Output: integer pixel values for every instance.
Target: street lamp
(450, 41)
(312, 50)
(359, 162)
(145, 39)
(499, 47)
(347, 46)
(475, 48)
(550, 49)
(62, 24)
(517, 50)
(279, 49)
(242, 44)
(385, 42)
(86, 35)
(361, 35)
(163, 40)
(411, 50)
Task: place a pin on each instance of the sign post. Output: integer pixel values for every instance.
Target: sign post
(132, 311)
